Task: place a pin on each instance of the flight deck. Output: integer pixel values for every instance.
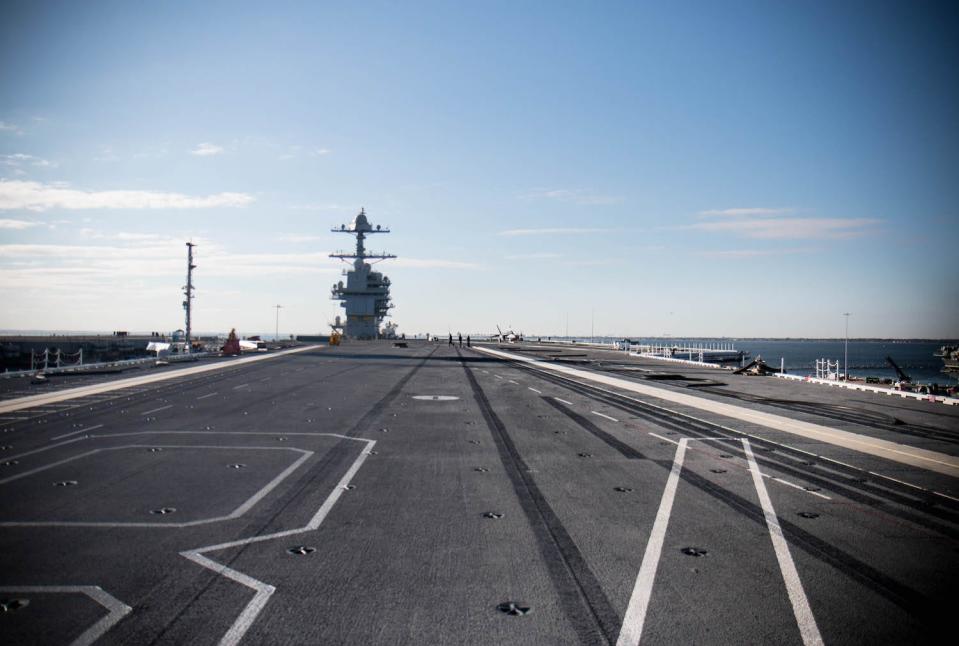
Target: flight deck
(372, 494)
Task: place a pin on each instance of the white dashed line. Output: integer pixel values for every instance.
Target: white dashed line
(765, 475)
(513, 382)
(241, 386)
(563, 401)
(534, 390)
(612, 419)
(497, 376)
(157, 410)
(82, 430)
(207, 395)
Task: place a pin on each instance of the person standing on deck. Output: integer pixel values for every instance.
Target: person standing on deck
(461, 339)
(451, 338)
(467, 340)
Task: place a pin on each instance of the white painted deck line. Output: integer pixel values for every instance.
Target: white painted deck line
(596, 412)
(207, 395)
(563, 401)
(765, 475)
(117, 609)
(82, 391)
(534, 390)
(632, 628)
(797, 596)
(903, 454)
(241, 386)
(263, 591)
(157, 410)
(82, 430)
(236, 513)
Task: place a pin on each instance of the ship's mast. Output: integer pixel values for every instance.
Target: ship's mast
(366, 293)
(188, 291)
(361, 228)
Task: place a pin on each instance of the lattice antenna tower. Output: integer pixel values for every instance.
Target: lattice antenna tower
(188, 293)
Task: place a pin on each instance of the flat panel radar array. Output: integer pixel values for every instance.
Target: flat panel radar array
(366, 293)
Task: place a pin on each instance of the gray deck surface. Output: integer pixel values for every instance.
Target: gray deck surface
(404, 554)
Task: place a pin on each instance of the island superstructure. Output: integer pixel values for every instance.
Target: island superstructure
(366, 294)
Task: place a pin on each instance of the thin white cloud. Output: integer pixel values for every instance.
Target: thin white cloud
(206, 149)
(294, 237)
(750, 212)
(533, 256)
(18, 224)
(322, 207)
(790, 228)
(431, 263)
(37, 196)
(575, 196)
(10, 127)
(593, 263)
(744, 254)
(18, 160)
(552, 231)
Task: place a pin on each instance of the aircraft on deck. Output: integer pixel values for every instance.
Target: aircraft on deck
(509, 336)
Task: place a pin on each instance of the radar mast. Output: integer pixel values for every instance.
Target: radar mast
(366, 294)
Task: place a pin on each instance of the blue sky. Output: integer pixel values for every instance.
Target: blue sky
(692, 168)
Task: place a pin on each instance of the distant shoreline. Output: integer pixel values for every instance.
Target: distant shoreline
(944, 341)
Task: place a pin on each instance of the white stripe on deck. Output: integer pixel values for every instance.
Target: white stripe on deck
(82, 430)
(33, 401)
(904, 454)
(632, 628)
(206, 395)
(797, 596)
(157, 410)
(563, 401)
(596, 412)
(117, 609)
(241, 386)
(534, 390)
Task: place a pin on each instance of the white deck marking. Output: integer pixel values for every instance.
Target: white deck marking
(241, 386)
(612, 419)
(904, 454)
(780, 480)
(236, 513)
(117, 609)
(263, 591)
(797, 596)
(207, 395)
(534, 390)
(32, 401)
(157, 410)
(497, 376)
(513, 382)
(563, 401)
(82, 430)
(632, 628)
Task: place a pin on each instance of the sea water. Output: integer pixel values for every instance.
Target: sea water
(866, 358)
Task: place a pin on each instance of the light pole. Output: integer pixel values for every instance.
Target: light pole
(276, 334)
(845, 361)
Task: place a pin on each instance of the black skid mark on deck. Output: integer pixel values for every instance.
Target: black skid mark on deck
(582, 598)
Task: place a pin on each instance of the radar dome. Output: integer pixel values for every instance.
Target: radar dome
(360, 223)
